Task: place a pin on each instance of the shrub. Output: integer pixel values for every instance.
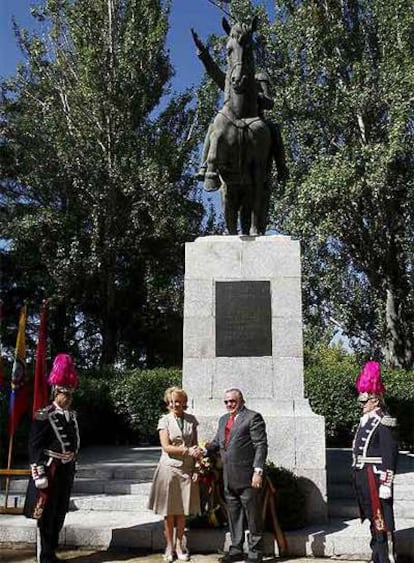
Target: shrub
(290, 499)
(400, 402)
(99, 423)
(138, 399)
(330, 386)
(122, 407)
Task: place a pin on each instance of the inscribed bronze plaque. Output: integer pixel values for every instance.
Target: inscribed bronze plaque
(243, 318)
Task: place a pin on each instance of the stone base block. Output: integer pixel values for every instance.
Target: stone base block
(296, 442)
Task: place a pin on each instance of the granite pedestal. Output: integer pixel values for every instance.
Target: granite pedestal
(243, 328)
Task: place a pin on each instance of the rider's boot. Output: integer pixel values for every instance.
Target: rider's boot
(212, 182)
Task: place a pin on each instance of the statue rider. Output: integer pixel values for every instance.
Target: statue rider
(264, 102)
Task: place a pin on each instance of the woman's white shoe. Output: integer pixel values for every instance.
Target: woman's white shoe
(183, 555)
(168, 556)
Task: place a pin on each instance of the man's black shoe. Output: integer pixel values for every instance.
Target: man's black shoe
(231, 557)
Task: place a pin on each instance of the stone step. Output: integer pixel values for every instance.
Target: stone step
(402, 491)
(91, 486)
(343, 508)
(109, 503)
(348, 508)
(339, 461)
(137, 473)
(338, 538)
(346, 538)
(15, 500)
(118, 487)
(112, 495)
(334, 478)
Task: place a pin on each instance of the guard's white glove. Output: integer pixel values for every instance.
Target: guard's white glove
(41, 483)
(39, 476)
(384, 492)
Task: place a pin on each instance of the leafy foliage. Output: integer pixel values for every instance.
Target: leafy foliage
(290, 498)
(97, 200)
(138, 399)
(122, 406)
(345, 75)
(330, 386)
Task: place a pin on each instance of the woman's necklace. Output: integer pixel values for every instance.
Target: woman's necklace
(180, 422)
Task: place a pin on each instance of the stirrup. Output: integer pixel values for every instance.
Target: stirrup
(212, 182)
(201, 174)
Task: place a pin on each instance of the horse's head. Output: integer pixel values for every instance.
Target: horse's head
(240, 53)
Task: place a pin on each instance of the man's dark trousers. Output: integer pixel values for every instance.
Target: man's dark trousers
(241, 504)
(55, 511)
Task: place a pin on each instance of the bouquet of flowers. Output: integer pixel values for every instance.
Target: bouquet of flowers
(210, 478)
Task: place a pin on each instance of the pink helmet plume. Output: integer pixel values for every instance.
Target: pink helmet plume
(369, 379)
(63, 373)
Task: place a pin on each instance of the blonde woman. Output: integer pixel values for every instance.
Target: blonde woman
(174, 492)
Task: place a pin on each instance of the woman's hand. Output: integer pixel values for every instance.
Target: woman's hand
(195, 477)
(195, 452)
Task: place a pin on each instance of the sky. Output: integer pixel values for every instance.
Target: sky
(185, 14)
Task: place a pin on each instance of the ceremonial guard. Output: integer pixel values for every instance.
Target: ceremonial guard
(53, 448)
(375, 452)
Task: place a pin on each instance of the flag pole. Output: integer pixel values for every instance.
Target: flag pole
(9, 459)
(2, 382)
(16, 406)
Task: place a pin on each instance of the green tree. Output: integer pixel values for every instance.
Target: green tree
(344, 79)
(97, 200)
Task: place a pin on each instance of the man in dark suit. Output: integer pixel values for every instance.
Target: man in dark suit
(242, 441)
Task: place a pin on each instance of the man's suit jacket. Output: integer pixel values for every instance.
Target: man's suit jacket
(246, 449)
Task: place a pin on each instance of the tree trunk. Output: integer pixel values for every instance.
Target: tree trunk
(398, 347)
(59, 323)
(110, 317)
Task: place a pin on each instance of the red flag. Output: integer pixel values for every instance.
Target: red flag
(19, 397)
(41, 390)
(1, 348)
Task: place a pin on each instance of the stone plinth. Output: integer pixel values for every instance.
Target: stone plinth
(272, 384)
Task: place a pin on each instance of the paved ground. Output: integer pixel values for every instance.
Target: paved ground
(26, 556)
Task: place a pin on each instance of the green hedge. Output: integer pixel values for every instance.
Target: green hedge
(290, 498)
(122, 407)
(117, 407)
(330, 387)
(138, 399)
(98, 421)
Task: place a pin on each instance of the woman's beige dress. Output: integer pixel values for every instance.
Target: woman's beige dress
(173, 490)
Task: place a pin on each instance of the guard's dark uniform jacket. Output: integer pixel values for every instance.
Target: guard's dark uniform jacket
(53, 448)
(375, 452)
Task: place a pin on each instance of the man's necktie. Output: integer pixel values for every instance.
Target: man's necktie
(228, 427)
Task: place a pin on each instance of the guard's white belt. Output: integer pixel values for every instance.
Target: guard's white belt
(363, 459)
(56, 455)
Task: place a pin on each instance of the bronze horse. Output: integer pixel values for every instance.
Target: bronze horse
(240, 141)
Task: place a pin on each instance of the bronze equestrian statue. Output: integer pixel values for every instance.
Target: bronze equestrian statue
(240, 144)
